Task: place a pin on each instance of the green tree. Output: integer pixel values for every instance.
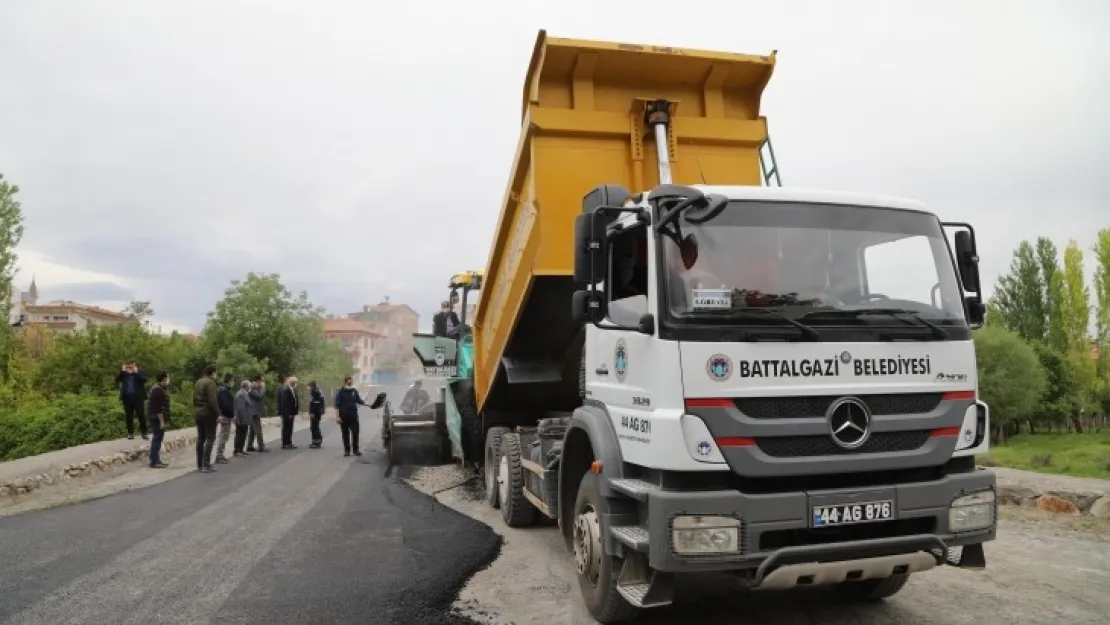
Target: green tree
(138, 310)
(1019, 295)
(265, 317)
(1059, 397)
(1049, 260)
(237, 360)
(1011, 379)
(1075, 312)
(11, 233)
(1075, 309)
(1102, 301)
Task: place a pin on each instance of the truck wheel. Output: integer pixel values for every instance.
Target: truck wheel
(515, 509)
(871, 590)
(597, 571)
(471, 426)
(492, 465)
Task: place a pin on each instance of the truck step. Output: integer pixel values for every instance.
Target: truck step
(634, 536)
(634, 488)
(637, 593)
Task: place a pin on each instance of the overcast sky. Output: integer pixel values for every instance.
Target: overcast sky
(361, 149)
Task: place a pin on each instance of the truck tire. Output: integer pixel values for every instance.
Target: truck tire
(597, 570)
(871, 590)
(515, 509)
(472, 434)
(492, 464)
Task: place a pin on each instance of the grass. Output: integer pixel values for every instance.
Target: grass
(1080, 455)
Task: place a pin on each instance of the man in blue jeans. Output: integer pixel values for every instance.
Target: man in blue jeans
(158, 415)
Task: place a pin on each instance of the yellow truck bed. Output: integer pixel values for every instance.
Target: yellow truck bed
(583, 125)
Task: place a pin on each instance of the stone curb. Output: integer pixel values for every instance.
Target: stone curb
(22, 486)
(1056, 501)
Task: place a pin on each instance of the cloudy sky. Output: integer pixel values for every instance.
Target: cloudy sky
(361, 149)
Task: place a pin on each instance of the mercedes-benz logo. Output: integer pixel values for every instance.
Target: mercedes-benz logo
(849, 422)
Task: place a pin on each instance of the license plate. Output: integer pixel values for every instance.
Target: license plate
(852, 513)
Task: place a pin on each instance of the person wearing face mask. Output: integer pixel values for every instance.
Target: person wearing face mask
(347, 401)
(315, 413)
(446, 321)
(158, 416)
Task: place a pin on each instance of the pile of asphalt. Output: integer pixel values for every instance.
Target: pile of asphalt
(443, 568)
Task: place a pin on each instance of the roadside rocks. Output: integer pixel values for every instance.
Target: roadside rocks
(1055, 501)
(27, 485)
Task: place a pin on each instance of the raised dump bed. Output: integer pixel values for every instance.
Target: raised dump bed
(584, 124)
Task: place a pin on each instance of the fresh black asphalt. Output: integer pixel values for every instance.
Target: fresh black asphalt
(299, 536)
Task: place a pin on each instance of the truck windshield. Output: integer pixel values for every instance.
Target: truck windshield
(830, 264)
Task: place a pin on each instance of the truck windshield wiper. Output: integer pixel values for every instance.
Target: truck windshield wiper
(808, 333)
(937, 331)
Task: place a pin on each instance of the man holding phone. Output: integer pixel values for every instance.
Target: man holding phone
(132, 394)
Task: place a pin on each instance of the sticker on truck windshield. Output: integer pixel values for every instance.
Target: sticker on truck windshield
(712, 299)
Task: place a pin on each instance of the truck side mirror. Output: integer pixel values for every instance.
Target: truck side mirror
(967, 262)
(589, 306)
(590, 248)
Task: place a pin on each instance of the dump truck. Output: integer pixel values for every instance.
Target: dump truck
(691, 368)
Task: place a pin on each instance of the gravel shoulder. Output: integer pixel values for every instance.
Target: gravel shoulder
(1043, 568)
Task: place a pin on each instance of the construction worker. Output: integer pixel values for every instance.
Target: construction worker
(415, 398)
(446, 321)
(347, 401)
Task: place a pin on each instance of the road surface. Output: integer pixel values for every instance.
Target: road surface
(301, 536)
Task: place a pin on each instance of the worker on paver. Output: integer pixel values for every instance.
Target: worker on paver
(206, 409)
(415, 398)
(158, 415)
(347, 401)
(244, 407)
(227, 415)
(254, 435)
(316, 405)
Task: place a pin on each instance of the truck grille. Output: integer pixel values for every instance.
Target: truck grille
(804, 446)
(801, 407)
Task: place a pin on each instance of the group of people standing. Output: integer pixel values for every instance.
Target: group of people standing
(217, 410)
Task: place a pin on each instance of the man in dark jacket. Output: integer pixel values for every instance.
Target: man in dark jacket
(347, 401)
(158, 414)
(315, 413)
(227, 414)
(257, 393)
(445, 322)
(132, 392)
(288, 408)
(244, 408)
(206, 410)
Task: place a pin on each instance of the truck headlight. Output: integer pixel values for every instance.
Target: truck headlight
(971, 512)
(705, 535)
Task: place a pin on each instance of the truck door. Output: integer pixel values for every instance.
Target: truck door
(621, 364)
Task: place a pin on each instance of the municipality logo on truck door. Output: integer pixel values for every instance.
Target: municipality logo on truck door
(620, 360)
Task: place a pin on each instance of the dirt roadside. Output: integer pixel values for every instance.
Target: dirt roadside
(1043, 568)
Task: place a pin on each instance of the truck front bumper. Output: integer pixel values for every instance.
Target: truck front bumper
(776, 534)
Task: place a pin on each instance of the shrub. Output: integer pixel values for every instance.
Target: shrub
(69, 420)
